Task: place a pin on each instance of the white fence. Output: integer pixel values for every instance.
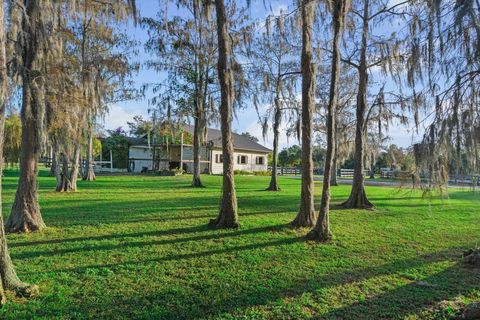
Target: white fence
(350, 172)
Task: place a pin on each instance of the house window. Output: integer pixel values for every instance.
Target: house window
(219, 158)
(242, 159)
(260, 160)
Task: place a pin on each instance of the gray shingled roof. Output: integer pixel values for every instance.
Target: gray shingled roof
(215, 136)
(239, 142)
(134, 141)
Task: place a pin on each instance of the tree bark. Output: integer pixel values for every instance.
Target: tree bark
(333, 178)
(89, 172)
(306, 214)
(228, 216)
(321, 232)
(53, 167)
(197, 141)
(8, 278)
(74, 172)
(25, 215)
(276, 133)
(62, 175)
(358, 197)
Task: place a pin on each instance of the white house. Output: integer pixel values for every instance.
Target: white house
(249, 155)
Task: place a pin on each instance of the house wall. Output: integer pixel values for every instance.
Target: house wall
(142, 156)
(217, 168)
(188, 159)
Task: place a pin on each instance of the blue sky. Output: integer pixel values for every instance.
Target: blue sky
(246, 119)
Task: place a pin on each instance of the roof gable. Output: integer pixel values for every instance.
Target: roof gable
(239, 141)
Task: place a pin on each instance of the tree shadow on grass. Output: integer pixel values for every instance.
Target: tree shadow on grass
(413, 298)
(155, 233)
(391, 304)
(150, 242)
(396, 303)
(107, 212)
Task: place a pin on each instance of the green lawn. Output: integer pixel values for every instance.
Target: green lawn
(135, 247)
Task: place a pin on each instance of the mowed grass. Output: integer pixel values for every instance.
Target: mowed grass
(138, 247)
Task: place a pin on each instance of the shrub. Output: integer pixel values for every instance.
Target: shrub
(173, 172)
(262, 173)
(242, 172)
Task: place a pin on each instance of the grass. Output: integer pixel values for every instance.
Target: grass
(137, 247)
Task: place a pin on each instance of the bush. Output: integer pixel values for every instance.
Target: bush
(171, 173)
(242, 172)
(262, 173)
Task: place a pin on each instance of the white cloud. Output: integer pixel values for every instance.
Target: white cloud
(118, 116)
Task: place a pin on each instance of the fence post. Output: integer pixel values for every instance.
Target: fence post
(111, 161)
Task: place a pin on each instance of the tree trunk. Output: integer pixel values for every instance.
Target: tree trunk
(89, 172)
(8, 278)
(372, 167)
(228, 216)
(197, 142)
(25, 215)
(276, 133)
(74, 173)
(321, 232)
(358, 198)
(306, 213)
(62, 175)
(333, 178)
(53, 167)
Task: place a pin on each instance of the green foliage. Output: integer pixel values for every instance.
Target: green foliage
(13, 139)
(242, 173)
(97, 147)
(262, 173)
(290, 157)
(118, 144)
(139, 126)
(172, 172)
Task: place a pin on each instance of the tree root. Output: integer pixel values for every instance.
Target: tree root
(304, 220)
(472, 257)
(316, 235)
(221, 223)
(273, 188)
(197, 183)
(26, 290)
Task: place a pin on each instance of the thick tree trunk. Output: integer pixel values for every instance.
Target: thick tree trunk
(228, 216)
(62, 175)
(321, 232)
(306, 214)
(89, 172)
(25, 215)
(197, 142)
(276, 133)
(358, 198)
(8, 278)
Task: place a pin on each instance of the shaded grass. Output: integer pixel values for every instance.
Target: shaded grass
(137, 247)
